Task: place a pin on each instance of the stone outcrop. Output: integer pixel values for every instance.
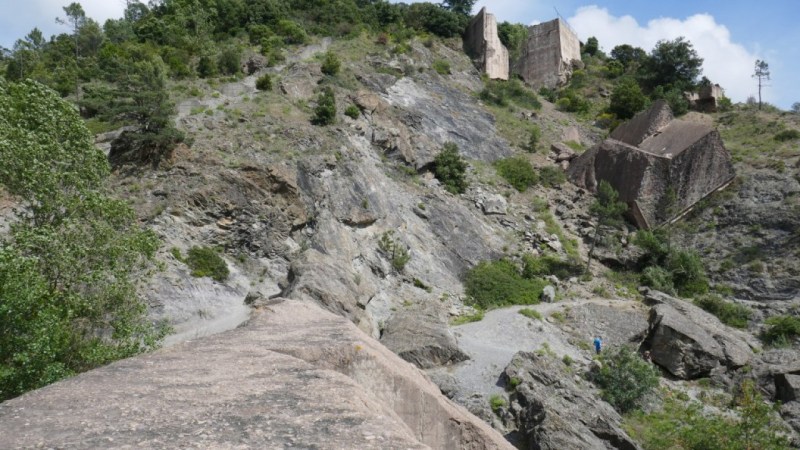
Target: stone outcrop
(554, 410)
(420, 336)
(689, 342)
(294, 376)
(652, 157)
(547, 58)
(482, 43)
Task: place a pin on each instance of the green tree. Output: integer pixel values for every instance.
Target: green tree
(607, 211)
(673, 65)
(330, 64)
(325, 112)
(761, 73)
(69, 267)
(513, 36)
(75, 18)
(463, 7)
(450, 169)
(626, 378)
(628, 55)
(627, 99)
(592, 46)
(140, 97)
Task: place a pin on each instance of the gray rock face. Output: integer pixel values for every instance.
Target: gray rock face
(651, 156)
(483, 44)
(295, 376)
(435, 113)
(555, 410)
(420, 336)
(689, 342)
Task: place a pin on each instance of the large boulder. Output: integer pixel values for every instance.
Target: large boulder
(689, 342)
(294, 376)
(554, 410)
(420, 336)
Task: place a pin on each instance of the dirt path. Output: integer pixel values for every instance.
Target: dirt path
(492, 342)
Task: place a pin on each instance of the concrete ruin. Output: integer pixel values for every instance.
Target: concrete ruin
(549, 55)
(707, 98)
(482, 44)
(652, 156)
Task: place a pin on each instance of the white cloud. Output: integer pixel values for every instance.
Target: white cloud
(725, 62)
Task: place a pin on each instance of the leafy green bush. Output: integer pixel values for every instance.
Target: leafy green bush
(669, 269)
(441, 67)
(535, 137)
(503, 93)
(781, 330)
(230, 61)
(787, 135)
(625, 378)
(627, 99)
(450, 169)
(325, 112)
(518, 172)
(206, 262)
(264, 82)
(352, 112)
(659, 279)
(687, 272)
(69, 265)
(206, 67)
(552, 176)
(331, 64)
(531, 313)
(729, 313)
(541, 266)
(496, 401)
(681, 425)
(571, 100)
(499, 283)
(292, 32)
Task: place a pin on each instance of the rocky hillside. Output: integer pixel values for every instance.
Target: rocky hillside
(349, 220)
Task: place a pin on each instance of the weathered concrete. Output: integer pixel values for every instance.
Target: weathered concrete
(295, 376)
(653, 156)
(482, 43)
(547, 58)
(707, 98)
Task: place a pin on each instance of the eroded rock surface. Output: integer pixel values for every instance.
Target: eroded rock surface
(556, 410)
(295, 376)
(691, 343)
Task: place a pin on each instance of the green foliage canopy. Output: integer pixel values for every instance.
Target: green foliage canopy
(450, 169)
(626, 378)
(68, 268)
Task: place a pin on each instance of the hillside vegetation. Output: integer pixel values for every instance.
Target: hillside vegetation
(348, 153)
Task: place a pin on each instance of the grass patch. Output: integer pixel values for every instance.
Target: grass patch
(541, 266)
(531, 313)
(469, 318)
(504, 93)
(497, 401)
(781, 330)
(729, 313)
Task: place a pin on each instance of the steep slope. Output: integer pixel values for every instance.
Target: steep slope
(294, 376)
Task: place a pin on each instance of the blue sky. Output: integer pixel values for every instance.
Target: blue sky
(729, 35)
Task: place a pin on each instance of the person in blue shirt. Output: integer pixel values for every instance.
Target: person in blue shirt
(598, 344)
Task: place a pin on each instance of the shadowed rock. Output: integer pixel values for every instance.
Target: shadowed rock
(295, 376)
(659, 165)
(555, 411)
(691, 343)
